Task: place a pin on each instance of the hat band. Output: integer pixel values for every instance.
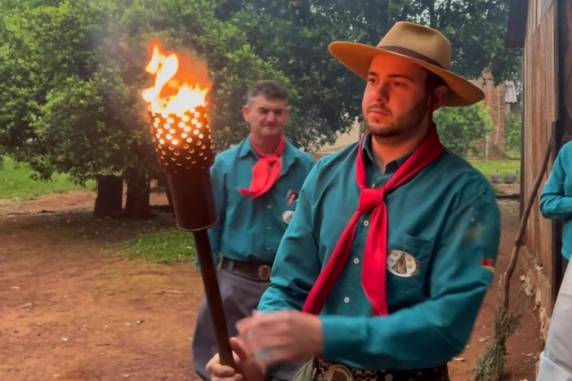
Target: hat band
(411, 53)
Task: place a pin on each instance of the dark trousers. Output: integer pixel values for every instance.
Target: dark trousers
(240, 297)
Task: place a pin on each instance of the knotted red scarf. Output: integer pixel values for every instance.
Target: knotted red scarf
(266, 171)
(375, 254)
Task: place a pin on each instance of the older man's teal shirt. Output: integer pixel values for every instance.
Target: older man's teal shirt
(556, 199)
(446, 218)
(251, 229)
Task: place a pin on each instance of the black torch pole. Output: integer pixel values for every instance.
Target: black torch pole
(191, 193)
(183, 144)
(212, 293)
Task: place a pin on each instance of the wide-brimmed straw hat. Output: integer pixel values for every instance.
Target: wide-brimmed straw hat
(422, 45)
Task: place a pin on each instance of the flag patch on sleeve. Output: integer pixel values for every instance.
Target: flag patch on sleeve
(489, 264)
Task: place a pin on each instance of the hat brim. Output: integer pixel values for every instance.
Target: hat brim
(357, 57)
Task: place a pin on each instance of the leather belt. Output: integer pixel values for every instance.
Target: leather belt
(328, 371)
(258, 271)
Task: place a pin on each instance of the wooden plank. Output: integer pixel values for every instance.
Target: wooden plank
(541, 110)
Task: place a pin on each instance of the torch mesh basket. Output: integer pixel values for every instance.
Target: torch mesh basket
(182, 142)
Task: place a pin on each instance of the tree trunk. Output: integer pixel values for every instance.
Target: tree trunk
(137, 203)
(432, 15)
(162, 182)
(109, 198)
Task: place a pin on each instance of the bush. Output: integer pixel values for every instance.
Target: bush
(514, 134)
(463, 129)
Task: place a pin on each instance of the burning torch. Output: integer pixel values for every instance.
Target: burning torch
(182, 139)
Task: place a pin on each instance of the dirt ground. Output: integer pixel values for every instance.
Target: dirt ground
(71, 309)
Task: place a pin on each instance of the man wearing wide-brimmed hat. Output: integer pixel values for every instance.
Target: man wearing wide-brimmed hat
(382, 271)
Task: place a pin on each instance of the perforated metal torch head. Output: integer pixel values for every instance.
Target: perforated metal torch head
(183, 144)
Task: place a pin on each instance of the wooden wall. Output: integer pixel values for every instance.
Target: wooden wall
(565, 33)
(541, 108)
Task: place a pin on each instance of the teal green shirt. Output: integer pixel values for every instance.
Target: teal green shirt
(446, 218)
(556, 199)
(251, 229)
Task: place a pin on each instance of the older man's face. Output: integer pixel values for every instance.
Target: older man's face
(266, 117)
(395, 101)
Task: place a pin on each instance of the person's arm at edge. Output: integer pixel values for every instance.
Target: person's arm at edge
(553, 203)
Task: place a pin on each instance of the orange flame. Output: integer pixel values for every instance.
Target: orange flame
(180, 84)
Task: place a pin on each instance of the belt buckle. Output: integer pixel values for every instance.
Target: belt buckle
(264, 272)
(338, 372)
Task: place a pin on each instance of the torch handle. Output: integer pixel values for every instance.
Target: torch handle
(212, 293)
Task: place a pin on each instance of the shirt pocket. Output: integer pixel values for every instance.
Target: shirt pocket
(407, 270)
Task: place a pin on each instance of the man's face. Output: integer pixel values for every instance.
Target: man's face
(395, 100)
(266, 117)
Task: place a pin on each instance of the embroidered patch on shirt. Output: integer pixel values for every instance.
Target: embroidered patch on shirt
(402, 264)
(488, 264)
(287, 216)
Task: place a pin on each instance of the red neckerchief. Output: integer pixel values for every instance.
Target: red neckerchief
(375, 253)
(266, 171)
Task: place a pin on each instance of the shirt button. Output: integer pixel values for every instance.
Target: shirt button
(269, 206)
(268, 248)
(268, 228)
(356, 261)
(366, 223)
(346, 299)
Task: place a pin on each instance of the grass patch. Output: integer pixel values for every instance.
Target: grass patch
(165, 246)
(16, 182)
(500, 168)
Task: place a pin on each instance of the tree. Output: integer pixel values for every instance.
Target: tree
(66, 103)
(476, 28)
(71, 71)
(294, 35)
(232, 63)
(463, 130)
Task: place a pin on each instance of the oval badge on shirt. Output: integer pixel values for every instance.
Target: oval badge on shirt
(287, 216)
(402, 264)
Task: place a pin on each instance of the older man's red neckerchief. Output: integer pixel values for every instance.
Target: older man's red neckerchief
(375, 253)
(266, 171)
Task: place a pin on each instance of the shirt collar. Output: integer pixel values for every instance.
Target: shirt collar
(245, 148)
(369, 157)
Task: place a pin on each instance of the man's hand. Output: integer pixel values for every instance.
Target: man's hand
(288, 336)
(247, 367)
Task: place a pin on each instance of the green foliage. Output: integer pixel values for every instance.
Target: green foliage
(476, 28)
(500, 168)
(233, 64)
(17, 182)
(72, 103)
(71, 71)
(514, 134)
(294, 35)
(166, 246)
(463, 130)
(324, 95)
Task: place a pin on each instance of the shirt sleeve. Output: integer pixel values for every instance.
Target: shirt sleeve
(553, 202)
(290, 286)
(218, 179)
(430, 333)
